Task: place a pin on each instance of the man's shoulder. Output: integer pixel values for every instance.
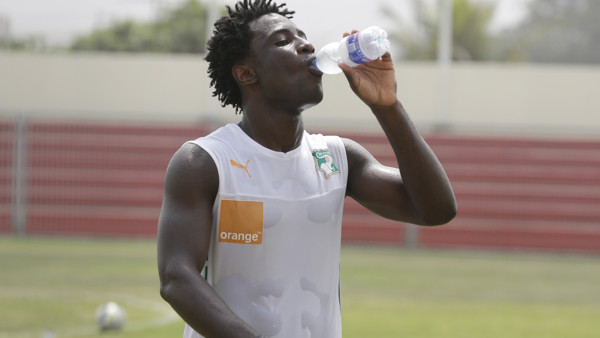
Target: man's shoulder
(191, 169)
(191, 156)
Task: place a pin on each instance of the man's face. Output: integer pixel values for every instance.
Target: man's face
(282, 57)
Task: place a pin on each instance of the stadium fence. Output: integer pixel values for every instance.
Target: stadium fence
(90, 178)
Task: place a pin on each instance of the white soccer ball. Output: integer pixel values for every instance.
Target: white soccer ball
(110, 316)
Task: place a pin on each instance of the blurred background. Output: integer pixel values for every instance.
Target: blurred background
(96, 95)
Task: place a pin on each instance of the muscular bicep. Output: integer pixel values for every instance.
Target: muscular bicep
(377, 187)
(184, 228)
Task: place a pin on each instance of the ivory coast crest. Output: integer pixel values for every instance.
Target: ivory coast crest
(324, 162)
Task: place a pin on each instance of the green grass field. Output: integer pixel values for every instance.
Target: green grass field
(57, 284)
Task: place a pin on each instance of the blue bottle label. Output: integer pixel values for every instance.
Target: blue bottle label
(354, 51)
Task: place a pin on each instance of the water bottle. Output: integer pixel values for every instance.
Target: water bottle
(364, 46)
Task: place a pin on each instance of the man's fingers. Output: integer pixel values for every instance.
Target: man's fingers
(353, 31)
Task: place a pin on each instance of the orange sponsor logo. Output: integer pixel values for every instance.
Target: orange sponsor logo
(241, 222)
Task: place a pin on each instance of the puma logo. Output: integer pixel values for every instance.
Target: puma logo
(245, 167)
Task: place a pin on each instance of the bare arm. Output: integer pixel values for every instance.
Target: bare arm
(418, 191)
(184, 230)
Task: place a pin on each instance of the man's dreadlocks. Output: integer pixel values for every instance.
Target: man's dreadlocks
(230, 43)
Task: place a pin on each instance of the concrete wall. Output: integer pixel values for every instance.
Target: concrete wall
(483, 97)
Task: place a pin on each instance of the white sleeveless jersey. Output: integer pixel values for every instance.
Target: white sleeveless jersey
(276, 232)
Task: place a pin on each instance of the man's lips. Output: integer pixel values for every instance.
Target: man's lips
(312, 68)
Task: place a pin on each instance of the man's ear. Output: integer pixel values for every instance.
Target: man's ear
(244, 73)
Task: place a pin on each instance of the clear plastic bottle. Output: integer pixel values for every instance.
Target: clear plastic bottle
(364, 46)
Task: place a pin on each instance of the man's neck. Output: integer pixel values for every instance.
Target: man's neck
(275, 131)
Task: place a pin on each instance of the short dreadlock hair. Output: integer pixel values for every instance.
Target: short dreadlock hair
(230, 43)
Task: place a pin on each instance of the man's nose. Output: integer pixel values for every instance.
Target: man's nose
(305, 47)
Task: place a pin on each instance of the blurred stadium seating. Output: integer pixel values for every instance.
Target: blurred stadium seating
(520, 193)
(103, 178)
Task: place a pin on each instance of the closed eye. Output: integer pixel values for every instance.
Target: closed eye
(282, 43)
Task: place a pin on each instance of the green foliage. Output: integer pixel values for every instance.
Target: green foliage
(560, 31)
(31, 44)
(180, 29)
(470, 31)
